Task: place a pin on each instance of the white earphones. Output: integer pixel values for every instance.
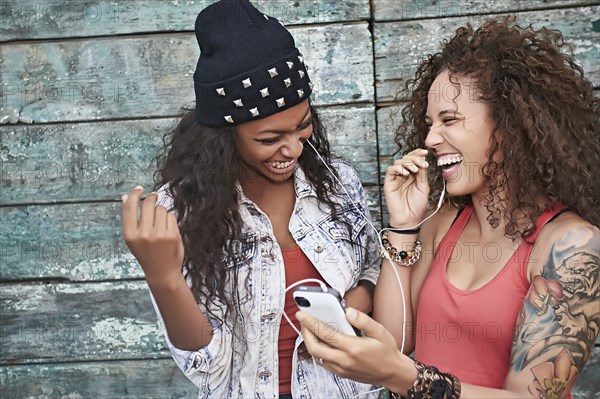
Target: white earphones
(322, 284)
(439, 205)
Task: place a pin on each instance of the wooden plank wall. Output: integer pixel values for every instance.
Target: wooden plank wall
(88, 89)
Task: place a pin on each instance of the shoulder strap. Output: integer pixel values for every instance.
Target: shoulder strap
(524, 251)
(546, 217)
(458, 224)
(457, 215)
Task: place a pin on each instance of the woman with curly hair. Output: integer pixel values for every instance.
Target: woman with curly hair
(501, 286)
(246, 204)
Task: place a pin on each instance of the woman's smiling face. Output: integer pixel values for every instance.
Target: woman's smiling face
(269, 148)
(460, 130)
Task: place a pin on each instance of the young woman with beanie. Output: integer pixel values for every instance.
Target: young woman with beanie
(502, 285)
(245, 208)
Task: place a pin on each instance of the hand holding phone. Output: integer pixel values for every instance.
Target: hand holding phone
(325, 306)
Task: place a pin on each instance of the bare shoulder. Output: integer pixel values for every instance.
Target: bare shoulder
(432, 232)
(567, 234)
(434, 229)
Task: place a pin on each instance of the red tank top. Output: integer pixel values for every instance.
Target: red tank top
(469, 333)
(297, 267)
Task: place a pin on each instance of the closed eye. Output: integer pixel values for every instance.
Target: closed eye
(269, 140)
(305, 125)
(451, 119)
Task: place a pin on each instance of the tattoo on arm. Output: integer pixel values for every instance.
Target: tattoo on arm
(560, 319)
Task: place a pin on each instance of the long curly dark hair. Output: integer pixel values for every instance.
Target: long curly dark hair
(200, 167)
(546, 118)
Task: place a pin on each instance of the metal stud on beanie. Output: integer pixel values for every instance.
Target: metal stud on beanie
(249, 66)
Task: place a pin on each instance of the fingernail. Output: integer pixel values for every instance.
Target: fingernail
(351, 313)
(299, 316)
(124, 197)
(138, 187)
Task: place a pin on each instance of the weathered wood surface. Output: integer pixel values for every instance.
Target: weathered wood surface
(98, 335)
(388, 120)
(31, 19)
(400, 45)
(133, 77)
(78, 242)
(97, 321)
(396, 10)
(83, 321)
(102, 160)
(160, 378)
(73, 241)
(133, 379)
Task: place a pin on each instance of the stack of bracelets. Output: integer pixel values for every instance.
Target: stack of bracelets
(433, 384)
(402, 258)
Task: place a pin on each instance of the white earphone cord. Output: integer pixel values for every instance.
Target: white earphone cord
(322, 284)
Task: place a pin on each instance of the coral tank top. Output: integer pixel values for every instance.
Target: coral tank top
(469, 333)
(297, 267)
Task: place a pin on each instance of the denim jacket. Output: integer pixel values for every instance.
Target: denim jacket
(243, 363)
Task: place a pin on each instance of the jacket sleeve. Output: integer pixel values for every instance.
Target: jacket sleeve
(208, 368)
(367, 238)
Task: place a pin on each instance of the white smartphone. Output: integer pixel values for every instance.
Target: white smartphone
(327, 307)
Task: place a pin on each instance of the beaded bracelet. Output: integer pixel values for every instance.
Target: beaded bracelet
(402, 258)
(433, 384)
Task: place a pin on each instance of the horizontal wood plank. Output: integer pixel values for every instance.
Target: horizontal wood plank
(77, 161)
(399, 46)
(134, 379)
(106, 321)
(353, 137)
(78, 242)
(388, 120)
(102, 160)
(69, 322)
(396, 10)
(32, 19)
(158, 378)
(131, 77)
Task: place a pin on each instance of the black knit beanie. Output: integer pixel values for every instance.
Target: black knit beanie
(249, 66)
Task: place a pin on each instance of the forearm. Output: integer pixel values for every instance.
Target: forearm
(187, 326)
(393, 305)
(405, 375)
(361, 296)
(476, 392)
(469, 391)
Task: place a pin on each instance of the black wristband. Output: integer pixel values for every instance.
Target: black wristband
(403, 231)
